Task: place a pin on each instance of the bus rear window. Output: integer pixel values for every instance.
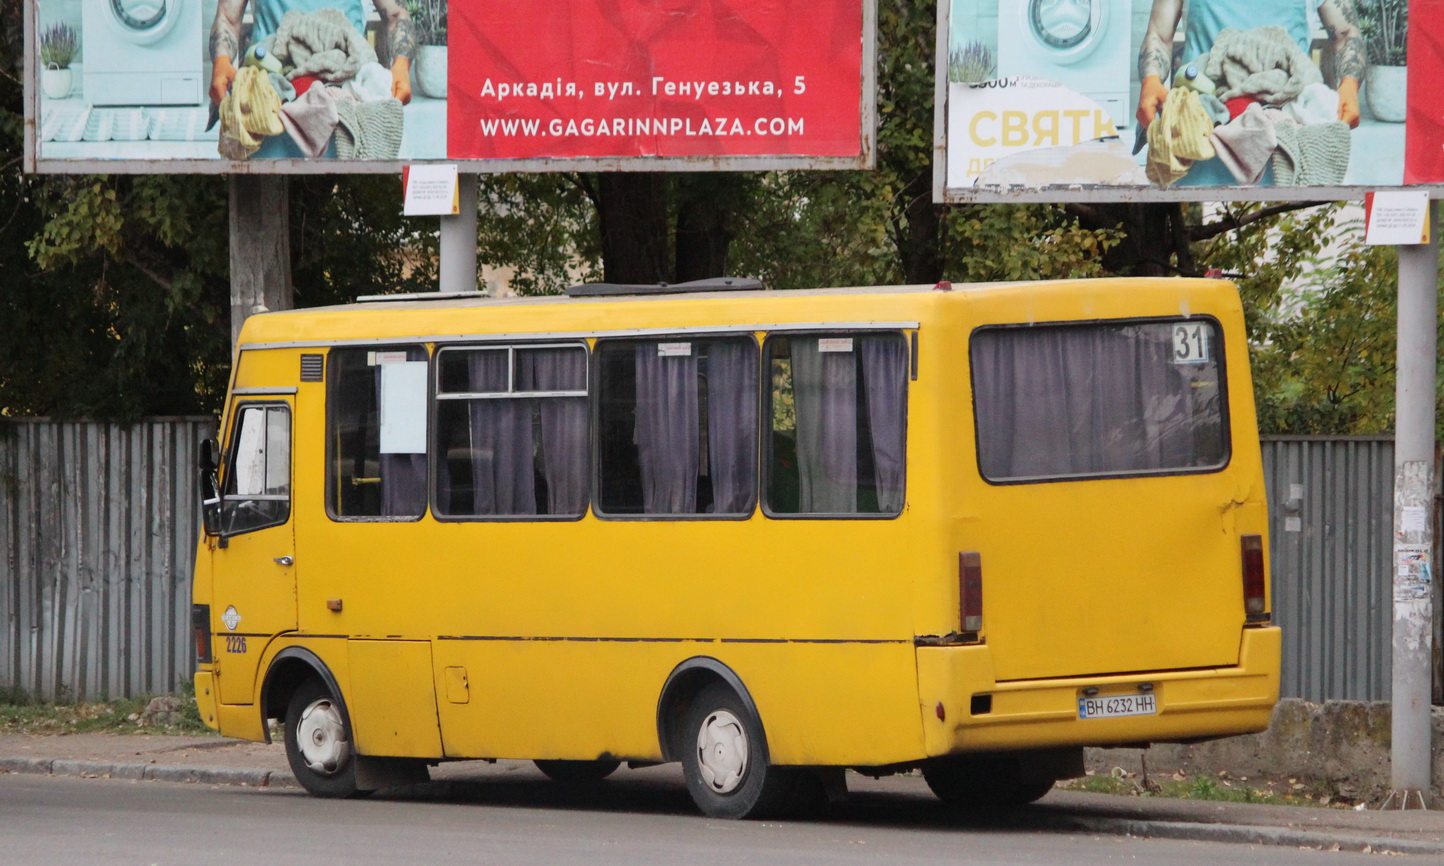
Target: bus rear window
(1099, 399)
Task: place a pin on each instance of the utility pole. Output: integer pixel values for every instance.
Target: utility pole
(456, 271)
(1414, 411)
(260, 247)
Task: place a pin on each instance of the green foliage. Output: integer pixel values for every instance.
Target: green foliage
(542, 227)
(1321, 311)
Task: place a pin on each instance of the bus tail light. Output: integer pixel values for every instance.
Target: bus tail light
(970, 590)
(1255, 603)
(201, 625)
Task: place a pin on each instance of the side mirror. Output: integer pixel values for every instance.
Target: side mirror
(210, 456)
(210, 502)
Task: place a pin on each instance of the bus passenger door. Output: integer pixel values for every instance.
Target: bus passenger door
(253, 561)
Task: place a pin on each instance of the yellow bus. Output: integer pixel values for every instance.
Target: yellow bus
(964, 529)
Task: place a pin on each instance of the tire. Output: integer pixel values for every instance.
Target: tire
(974, 783)
(725, 760)
(577, 772)
(318, 742)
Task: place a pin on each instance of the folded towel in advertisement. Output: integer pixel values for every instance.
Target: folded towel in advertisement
(322, 44)
(1263, 63)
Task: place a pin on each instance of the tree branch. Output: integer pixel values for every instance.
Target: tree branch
(1230, 222)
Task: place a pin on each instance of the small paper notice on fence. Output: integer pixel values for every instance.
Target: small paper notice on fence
(834, 344)
(1293, 524)
(1413, 574)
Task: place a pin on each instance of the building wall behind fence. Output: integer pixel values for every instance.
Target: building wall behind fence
(1331, 549)
(98, 530)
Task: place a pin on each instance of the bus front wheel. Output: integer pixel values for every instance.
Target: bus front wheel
(318, 742)
(724, 759)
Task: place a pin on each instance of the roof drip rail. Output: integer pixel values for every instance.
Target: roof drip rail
(711, 284)
(424, 296)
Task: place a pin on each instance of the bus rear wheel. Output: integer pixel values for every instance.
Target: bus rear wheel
(318, 742)
(577, 772)
(725, 762)
(983, 782)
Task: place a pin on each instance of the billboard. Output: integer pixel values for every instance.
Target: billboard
(1206, 100)
(321, 86)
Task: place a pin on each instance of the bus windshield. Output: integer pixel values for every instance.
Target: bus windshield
(1098, 399)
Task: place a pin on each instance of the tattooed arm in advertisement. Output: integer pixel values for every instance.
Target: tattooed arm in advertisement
(225, 46)
(1155, 58)
(402, 39)
(1342, 22)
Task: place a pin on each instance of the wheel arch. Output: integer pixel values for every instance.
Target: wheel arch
(684, 683)
(291, 667)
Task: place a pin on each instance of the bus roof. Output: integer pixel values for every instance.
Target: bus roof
(452, 317)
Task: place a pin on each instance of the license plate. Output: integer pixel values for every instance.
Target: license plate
(1113, 706)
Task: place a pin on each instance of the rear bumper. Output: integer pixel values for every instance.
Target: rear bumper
(1208, 702)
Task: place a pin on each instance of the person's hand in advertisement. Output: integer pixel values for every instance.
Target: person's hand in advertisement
(223, 72)
(1151, 95)
(1349, 102)
(401, 79)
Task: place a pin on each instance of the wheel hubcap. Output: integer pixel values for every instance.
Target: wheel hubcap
(321, 737)
(722, 752)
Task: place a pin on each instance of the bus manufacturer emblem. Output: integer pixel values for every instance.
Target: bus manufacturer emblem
(231, 618)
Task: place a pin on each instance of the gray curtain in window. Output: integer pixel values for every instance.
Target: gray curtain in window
(503, 475)
(824, 387)
(403, 485)
(563, 423)
(884, 375)
(1070, 401)
(667, 425)
(732, 424)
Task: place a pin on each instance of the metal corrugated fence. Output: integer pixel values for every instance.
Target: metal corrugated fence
(1331, 522)
(98, 530)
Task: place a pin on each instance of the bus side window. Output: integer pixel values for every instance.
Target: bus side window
(257, 490)
(511, 431)
(837, 416)
(376, 433)
(677, 426)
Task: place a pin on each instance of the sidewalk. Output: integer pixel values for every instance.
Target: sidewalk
(219, 761)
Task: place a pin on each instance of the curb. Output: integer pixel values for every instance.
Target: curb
(147, 772)
(1245, 834)
(1249, 834)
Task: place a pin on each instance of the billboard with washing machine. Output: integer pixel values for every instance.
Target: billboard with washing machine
(313, 86)
(1167, 100)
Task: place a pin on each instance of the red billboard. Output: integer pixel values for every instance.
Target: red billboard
(1424, 143)
(627, 78)
(326, 86)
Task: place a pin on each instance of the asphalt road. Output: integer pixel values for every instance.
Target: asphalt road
(644, 818)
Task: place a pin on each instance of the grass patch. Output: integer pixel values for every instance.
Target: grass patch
(23, 713)
(1223, 788)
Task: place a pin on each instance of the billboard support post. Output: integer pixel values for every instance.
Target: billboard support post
(260, 242)
(456, 271)
(1411, 756)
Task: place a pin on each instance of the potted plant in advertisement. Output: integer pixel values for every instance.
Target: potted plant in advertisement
(58, 44)
(1385, 24)
(429, 20)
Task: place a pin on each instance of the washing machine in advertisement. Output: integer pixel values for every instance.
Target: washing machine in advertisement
(142, 52)
(1081, 44)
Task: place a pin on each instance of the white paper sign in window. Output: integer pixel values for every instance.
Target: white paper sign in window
(403, 408)
(834, 344)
